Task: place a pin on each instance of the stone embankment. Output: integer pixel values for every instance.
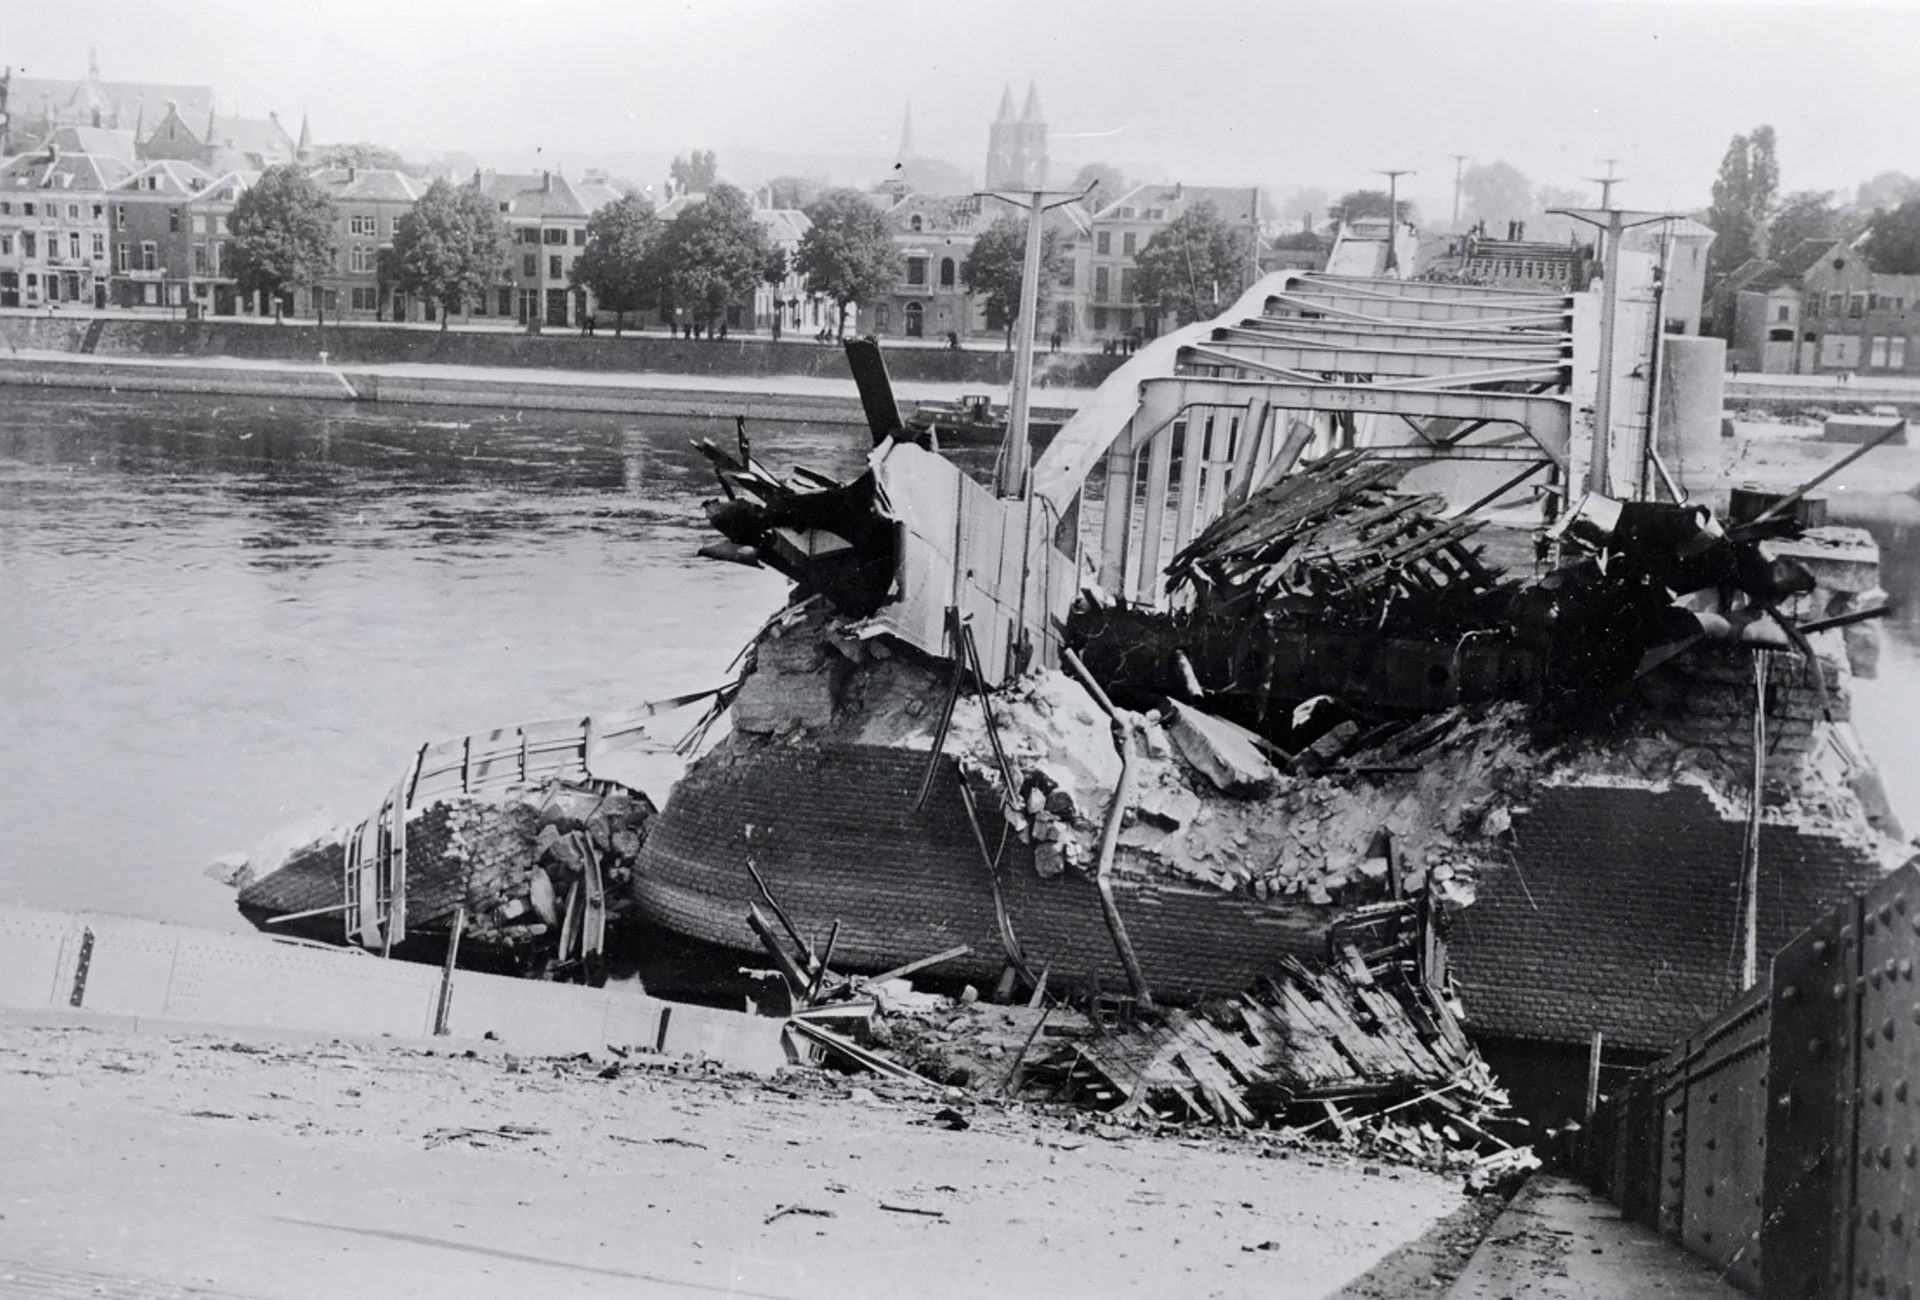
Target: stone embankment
(637, 374)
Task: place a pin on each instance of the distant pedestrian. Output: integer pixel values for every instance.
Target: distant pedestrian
(1053, 343)
(723, 329)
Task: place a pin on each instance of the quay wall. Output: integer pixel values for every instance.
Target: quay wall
(361, 344)
(179, 975)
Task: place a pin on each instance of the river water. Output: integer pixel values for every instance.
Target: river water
(219, 615)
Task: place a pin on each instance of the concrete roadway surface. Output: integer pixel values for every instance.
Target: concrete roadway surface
(147, 1161)
(158, 1162)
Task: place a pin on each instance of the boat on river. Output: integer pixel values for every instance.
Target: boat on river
(971, 420)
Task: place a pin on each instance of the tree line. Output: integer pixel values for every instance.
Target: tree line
(453, 246)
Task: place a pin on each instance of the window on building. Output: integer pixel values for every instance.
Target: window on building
(120, 258)
(1897, 352)
(1781, 312)
(530, 265)
(1099, 314)
(73, 212)
(149, 256)
(1836, 303)
(27, 208)
(73, 244)
(527, 234)
(1126, 284)
(1877, 353)
(1856, 305)
(1102, 283)
(6, 245)
(173, 220)
(1156, 214)
(916, 224)
(554, 235)
(365, 298)
(29, 244)
(99, 245)
(1128, 242)
(1103, 242)
(1813, 306)
(6, 208)
(916, 270)
(579, 236)
(1066, 275)
(119, 216)
(1873, 302)
(200, 259)
(1127, 214)
(555, 270)
(946, 273)
(99, 210)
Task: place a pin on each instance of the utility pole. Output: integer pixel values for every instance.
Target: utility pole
(1016, 451)
(1393, 176)
(1459, 170)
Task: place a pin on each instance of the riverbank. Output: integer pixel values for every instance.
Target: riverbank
(168, 1163)
(788, 397)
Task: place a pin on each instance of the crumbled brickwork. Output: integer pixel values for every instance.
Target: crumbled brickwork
(1617, 908)
(832, 829)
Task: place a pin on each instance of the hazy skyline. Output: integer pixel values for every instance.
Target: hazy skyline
(1278, 94)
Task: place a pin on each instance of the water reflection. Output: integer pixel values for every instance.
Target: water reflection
(221, 614)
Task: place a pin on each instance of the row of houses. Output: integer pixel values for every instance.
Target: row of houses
(1820, 309)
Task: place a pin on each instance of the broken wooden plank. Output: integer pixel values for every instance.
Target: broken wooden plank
(852, 1051)
(901, 972)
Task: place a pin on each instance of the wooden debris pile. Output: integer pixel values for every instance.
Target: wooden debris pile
(1364, 1048)
(826, 536)
(1334, 539)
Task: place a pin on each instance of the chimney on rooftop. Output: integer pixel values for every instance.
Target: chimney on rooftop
(546, 182)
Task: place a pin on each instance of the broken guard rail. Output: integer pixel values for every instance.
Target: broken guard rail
(1781, 1142)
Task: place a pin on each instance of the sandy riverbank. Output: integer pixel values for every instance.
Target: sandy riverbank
(187, 1163)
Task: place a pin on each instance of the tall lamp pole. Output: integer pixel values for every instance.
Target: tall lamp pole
(1016, 451)
(1393, 176)
(1459, 170)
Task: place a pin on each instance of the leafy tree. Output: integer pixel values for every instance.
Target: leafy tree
(1495, 193)
(361, 153)
(619, 263)
(283, 233)
(795, 191)
(695, 173)
(1887, 190)
(1192, 265)
(451, 247)
(714, 253)
(1556, 229)
(1743, 196)
(1107, 181)
(1803, 215)
(994, 266)
(1356, 204)
(1892, 245)
(848, 254)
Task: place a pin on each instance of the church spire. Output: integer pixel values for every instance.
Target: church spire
(907, 148)
(1032, 113)
(1006, 105)
(303, 151)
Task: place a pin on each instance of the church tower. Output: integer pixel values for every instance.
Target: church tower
(1017, 144)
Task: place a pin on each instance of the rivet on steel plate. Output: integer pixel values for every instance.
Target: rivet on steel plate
(1790, 993)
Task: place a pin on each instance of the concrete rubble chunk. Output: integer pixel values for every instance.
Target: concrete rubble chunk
(1227, 754)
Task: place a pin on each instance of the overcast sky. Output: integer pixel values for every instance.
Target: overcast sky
(1279, 93)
